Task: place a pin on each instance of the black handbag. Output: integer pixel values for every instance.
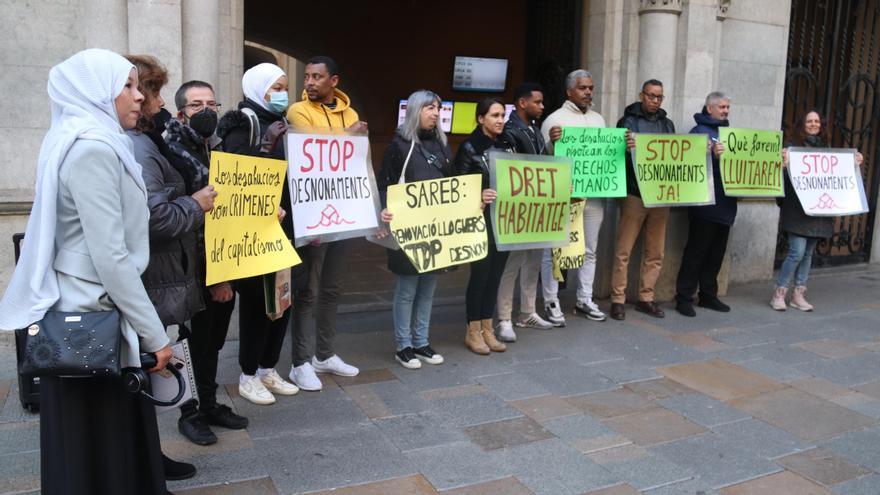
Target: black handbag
(72, 345)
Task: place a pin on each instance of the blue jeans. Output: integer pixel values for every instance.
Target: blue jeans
(413, 300)
(798, 261)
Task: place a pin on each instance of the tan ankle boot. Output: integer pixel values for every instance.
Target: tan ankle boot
(778, 301)
(798, 301)
(489, 336)
(473, 339)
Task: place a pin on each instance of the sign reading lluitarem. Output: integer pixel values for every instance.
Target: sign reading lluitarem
(673, 170)
(332, 188)
(532, 207)
(827, 181)
(751, 165)
(598, 157)
(243, 237)
(439, 223)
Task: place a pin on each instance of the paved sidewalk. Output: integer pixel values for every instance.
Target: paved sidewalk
(751, 402)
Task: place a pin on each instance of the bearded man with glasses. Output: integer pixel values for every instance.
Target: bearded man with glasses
(643, 116)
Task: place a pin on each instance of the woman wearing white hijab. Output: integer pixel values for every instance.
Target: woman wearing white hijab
(265, 91)
(85, 247)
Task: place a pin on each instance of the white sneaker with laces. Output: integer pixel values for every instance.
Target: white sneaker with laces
(252, 389)
(304, 377)
(505, 331)
(554, 314)
(275, 384)
(590, 310)
(335, 365)
(534, 321)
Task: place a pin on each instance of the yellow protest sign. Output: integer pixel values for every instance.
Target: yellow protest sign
(439, 223)
(571, 256)
(243, 237)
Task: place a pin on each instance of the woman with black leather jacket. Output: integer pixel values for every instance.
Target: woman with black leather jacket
(482, 289)
(265, 91)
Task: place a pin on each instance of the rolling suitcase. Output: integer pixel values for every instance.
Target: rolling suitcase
(28, 388)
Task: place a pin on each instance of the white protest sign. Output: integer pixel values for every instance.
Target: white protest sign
(332, 188)
(827, 181)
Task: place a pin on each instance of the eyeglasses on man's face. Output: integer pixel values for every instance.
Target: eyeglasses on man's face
(198, 106)
(653, 97)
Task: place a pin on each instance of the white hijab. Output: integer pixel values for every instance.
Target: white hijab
(82, 91)
(257, 81)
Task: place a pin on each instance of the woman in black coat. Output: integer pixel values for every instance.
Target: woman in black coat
(803, 232)
(482, 289)
(265, 90)
(417, 152)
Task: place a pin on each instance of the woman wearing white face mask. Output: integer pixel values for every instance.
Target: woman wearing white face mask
(265, 91)
(85, 249)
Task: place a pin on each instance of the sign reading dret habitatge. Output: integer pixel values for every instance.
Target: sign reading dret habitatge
(531, 210)
(439, 223)
(673, 170)
(243, 237)
(598, 157)
(827, 181)
(332, 188)
(751, 165)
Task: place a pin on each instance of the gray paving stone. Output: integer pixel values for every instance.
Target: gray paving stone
(772, 369)
(715, 459)
(696, 486)
(416, 431)
(457, 464)
(19, 437)
(302, 413)
(703, 410)
(741, 337)
(578, 427)
(859, 447)
(622, 371)
(760, 438)
(507, 433)
(431, 377)
(392, 397)
(20, 472)
(866, 485)
(650, 471)
(552, 467)
(848, 372)
(473, 409)
(870, 409)
(563, 377)
(513, 385)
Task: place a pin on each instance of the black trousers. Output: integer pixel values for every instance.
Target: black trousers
(701, 260)
(482, 288)
(260, 339)
(206, 337)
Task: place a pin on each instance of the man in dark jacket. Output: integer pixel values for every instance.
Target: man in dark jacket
(644, 116)
(523, 136)
(709, 225)
(191, 139)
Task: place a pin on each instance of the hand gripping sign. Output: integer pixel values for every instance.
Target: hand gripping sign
(439, 223)
(827, 181)
(532, 207)
(333, 190)
(243, 237)
(673, 170)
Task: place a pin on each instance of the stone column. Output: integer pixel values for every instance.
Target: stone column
(228, 84)
(104, 24)
(658, 39)
(200, 38)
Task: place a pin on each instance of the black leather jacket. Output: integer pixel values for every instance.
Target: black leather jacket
(522, 137)
(472, 156)
(636, 120)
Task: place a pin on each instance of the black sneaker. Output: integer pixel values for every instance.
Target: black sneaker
(196, 430)
(685, 308)
(176, 471)
(407, 359)
(221, 415)
(428, 355)
(713, 303)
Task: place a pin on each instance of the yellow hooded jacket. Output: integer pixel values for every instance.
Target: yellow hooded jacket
(308, 115)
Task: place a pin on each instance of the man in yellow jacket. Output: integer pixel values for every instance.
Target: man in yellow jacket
(324, 108)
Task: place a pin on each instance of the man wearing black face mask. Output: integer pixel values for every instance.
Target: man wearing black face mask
(191, 139)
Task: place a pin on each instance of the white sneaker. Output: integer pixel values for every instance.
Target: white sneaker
(275, 384)
(534, 321)
(304, 377)
(554, 314)
(253, 390)
(505, 331)
(335, 365)
(589, 310)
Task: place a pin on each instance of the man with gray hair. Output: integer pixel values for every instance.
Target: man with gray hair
(709, 226)
(575, 112)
